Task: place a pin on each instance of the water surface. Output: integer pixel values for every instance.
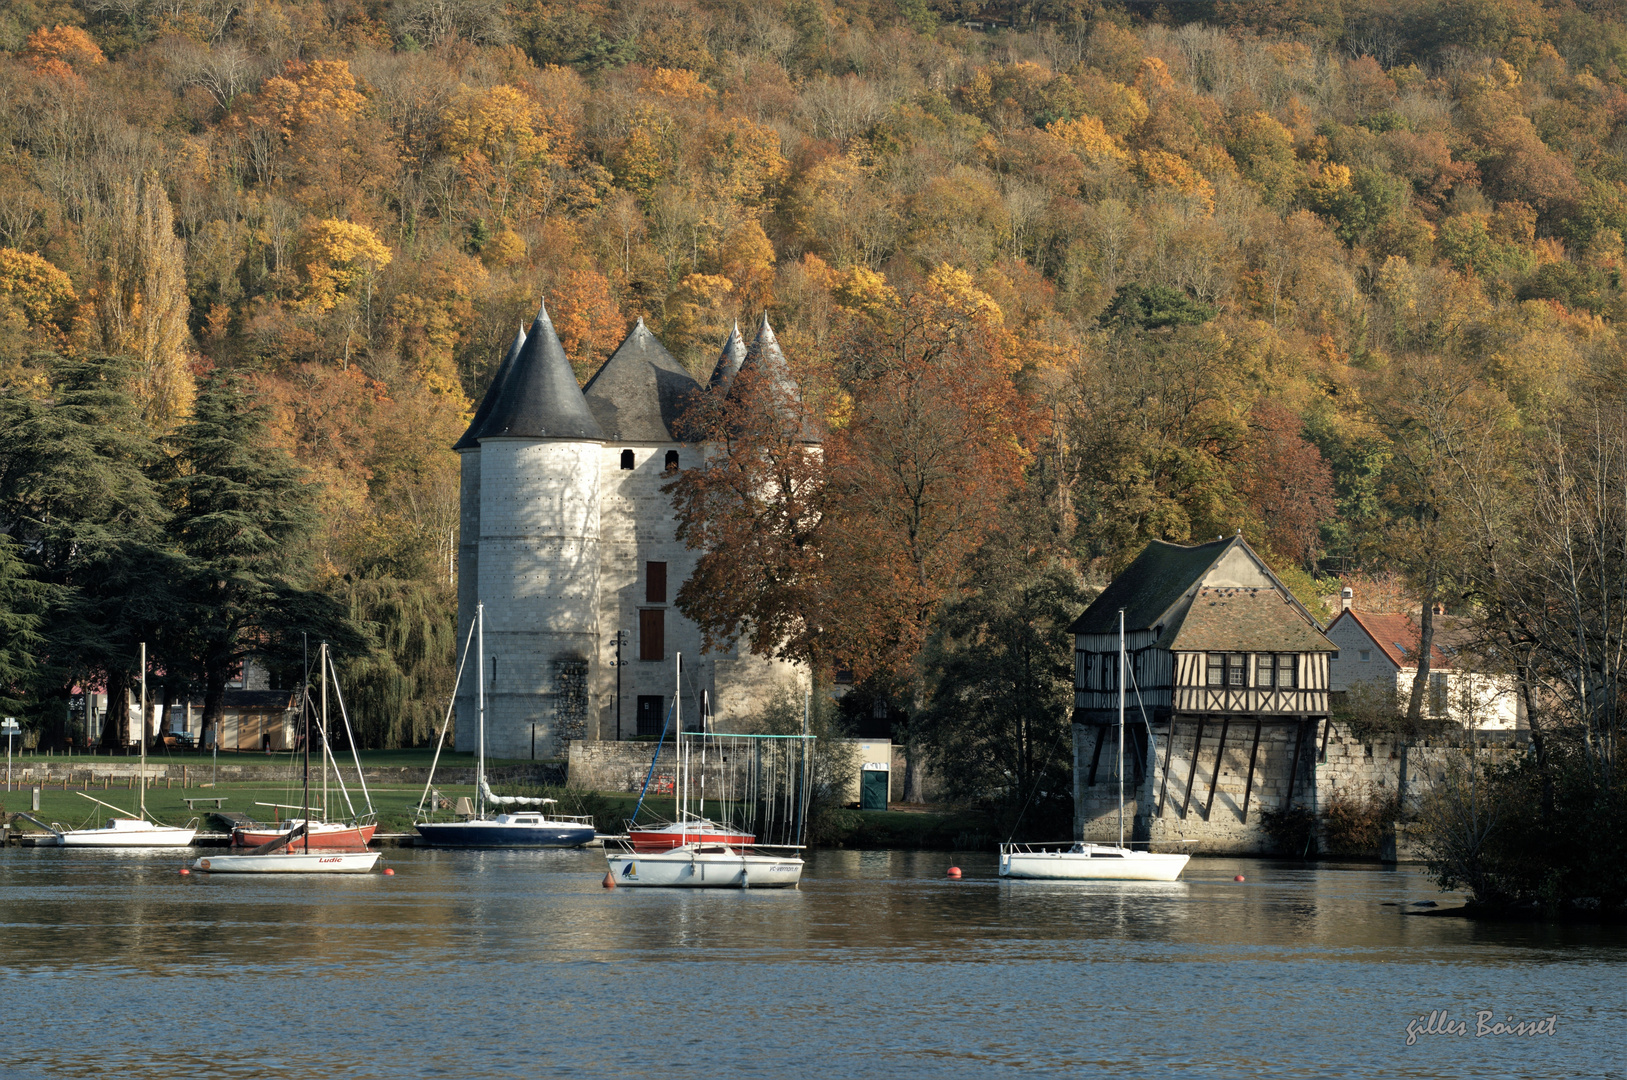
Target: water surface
(470, 964)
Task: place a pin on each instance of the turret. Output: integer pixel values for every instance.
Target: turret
(729, 361)
(764, 370)
(537, 567)
(468, 448)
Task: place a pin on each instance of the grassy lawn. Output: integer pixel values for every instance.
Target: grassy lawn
(383, 759)
(394, 802)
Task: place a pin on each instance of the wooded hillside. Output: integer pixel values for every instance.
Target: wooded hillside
(1058, 277)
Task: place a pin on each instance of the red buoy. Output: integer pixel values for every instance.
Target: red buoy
(184, 870)
(1239, 877)
(389, 872)
(954, 871)
(609, 880)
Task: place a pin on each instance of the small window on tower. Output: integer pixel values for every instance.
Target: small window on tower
(627, 459)
(655, 583)
(672, 461)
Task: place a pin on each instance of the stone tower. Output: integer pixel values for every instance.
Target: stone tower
(569, 538)
(536, 565)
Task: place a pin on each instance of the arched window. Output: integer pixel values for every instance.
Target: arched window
(627, 459)
(672, 461)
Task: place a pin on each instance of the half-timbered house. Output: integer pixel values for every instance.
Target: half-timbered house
(1226, 673)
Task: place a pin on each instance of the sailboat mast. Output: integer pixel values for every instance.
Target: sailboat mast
(322, 665)
(143, 812)
(480, 665)
(678, 718)
(305, 715)
(1121, 727)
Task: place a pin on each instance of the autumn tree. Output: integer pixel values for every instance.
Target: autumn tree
(139, 304)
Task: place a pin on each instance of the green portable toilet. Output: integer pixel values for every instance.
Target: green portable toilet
(873, 788)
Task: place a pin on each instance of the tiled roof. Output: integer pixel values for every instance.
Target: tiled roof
(1244, 620)
(471, 438)
(641, 392)
(1149, 586)
(540, 399)
(1400, 635)
(765, 361)
(729, 360)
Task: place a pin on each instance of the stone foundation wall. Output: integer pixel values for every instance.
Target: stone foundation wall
(1165, 805)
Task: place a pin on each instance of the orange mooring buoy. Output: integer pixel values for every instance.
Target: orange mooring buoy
(389, 872)
(609, 880)
(184, 870)
(1239, 877)
(954, 871)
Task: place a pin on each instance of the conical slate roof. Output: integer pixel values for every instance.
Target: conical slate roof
(540, 398)
(641, 392)
(728, 363)
(765, 362)
(471, 438)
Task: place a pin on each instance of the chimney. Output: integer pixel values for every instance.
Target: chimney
(1347, 596)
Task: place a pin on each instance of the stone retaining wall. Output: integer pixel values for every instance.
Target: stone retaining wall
(1161, 805)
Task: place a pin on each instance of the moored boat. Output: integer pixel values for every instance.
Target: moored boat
(521, 829)
(696, 852)
(314, 861)
(125, 832)
(704, 866)
(1088, 862)
(324, 834)
(1084, 861)
(693, 831)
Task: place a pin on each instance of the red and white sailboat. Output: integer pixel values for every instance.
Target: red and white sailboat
(317, 833)
(323, 834)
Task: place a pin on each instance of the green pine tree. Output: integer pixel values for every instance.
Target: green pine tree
(243, 516)
(78, 495)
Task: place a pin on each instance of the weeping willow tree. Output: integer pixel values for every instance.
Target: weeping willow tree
(397, 692)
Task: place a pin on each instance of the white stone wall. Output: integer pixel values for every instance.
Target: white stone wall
(637, 527)
(468, 556)
(538, 575)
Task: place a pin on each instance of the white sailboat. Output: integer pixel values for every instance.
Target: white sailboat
(127, 831)
(703, 863)
(1082, 861)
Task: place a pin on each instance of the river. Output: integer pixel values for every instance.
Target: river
(500, 964)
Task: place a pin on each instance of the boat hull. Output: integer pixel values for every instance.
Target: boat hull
(285, 862)
(127, 833)
(666, 839)
(491, 834)
(337, 836)
(1123, 865)
(686, 868)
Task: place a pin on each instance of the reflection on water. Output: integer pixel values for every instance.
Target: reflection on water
(499, 964)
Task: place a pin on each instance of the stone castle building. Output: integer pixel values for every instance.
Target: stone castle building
(567, 539)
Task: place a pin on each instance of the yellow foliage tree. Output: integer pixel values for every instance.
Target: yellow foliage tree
(337, 257)
(39, 290)
(139, 304)
(67, 46)
(1163, 169)
(747, 259)
(503, 142)
(864, 292)
(306, 94)
(745, 160)
(1086, 135)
